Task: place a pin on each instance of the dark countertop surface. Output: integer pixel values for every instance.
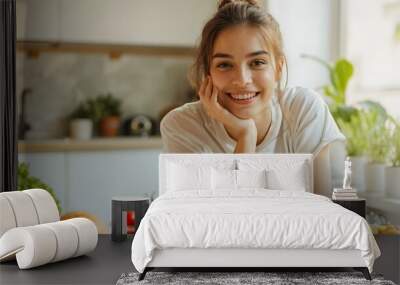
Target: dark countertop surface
(104, 265)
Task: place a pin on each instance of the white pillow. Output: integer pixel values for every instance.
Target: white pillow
(251, 178)
(184, 177)
(281, 174)
(295, 180)
(223, 179)
(236, 179)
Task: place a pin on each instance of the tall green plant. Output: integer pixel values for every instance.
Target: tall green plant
(26, 181)
(340, 73)
(356, 134)
(395, 144)
(378, 136)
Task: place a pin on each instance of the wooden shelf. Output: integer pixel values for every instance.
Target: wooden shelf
(95, 144)
(34, 49)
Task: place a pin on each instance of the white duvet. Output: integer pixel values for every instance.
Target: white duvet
(251, 218)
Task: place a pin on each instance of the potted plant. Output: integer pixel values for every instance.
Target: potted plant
(356, 146)
(81, 122)
(110, 117)
(377, 150)
(340, 73)
(392, 172)
(96, 115)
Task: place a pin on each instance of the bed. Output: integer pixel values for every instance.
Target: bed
(245, 211)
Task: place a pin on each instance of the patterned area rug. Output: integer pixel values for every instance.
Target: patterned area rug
(230, 278)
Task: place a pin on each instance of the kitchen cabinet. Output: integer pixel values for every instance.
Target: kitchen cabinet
(50, 168)
(87, 180)
(136, 22)
(95, 177)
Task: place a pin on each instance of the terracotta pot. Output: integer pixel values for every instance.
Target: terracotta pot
(392, 180)
(109, 126)
(375, 178)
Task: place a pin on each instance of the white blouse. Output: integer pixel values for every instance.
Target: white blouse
(301, 123)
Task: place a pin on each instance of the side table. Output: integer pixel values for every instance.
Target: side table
(358, 206)
(122, 204)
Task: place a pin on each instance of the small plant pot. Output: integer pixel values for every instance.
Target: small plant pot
(375, 178)
(109, 126)
(392, 181)
(358, 164)
(81, 129)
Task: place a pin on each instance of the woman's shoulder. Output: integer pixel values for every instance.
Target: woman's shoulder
(299, 103)
(188, 115)
(296, 98)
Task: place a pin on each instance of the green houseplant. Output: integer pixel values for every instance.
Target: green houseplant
(110, 115)
(395, 146)
(355, 132)
(378, 137)
(377, 150)
(103, 111)
(340, 74)
(26, 181)
(82, 120)
(392, 172)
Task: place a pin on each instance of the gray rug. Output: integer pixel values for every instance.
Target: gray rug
(229, 278)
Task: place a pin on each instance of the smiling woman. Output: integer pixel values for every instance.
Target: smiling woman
(242, 106)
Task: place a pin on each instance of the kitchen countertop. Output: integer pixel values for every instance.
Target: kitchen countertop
(104, 265)
(95, 144)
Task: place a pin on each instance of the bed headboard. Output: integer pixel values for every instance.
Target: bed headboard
(227, 160)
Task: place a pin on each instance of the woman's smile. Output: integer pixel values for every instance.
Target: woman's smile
(242, 98)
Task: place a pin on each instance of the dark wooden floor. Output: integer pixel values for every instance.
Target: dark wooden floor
(110, 259)
(102, 266)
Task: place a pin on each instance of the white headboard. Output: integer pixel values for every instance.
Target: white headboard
(218, 159)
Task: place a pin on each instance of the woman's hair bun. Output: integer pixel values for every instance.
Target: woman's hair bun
(223, 3)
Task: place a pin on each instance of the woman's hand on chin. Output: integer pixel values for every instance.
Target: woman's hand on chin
(238, 129)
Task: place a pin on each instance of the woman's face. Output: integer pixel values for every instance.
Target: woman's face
(243, 71)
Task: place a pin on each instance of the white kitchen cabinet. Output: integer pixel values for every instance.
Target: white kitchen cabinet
(50, 169)
(95, 177)
(136, 22)
(38, 20)
(87, 180)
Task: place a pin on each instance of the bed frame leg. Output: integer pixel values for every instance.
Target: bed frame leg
(364, 271)
(143, 274)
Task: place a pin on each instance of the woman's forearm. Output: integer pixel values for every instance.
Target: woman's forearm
(246, 143)
(322, 173)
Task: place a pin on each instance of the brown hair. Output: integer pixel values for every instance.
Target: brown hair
(231, 13)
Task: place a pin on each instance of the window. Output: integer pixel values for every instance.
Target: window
(370, 39)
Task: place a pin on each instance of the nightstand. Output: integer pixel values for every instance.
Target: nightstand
(119, 208)
(358, 206)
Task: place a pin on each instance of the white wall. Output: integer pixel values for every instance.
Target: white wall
(307, 28)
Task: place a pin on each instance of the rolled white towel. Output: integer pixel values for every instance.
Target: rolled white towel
(40, 244)
(45, 205)
(87, 234)
(23, 208)
(7, 218)
(67, 240)
(33, 246)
